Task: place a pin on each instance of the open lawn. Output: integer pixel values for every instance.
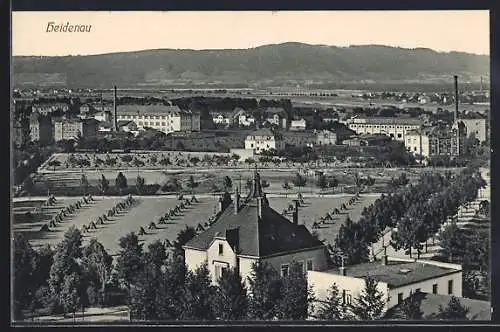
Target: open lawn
(315, 208)
(149, 209)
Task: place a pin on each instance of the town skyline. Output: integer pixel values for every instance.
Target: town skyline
(441, 31)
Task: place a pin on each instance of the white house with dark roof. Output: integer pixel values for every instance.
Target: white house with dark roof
(160, 117)
(396, 279)
(264, 140)
(249, 230)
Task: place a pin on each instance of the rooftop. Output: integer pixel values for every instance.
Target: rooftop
(380, 120)
(149, 109)
(396, 273)
(257, 236)
(478, 310)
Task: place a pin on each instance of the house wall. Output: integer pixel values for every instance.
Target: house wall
(322, 281)
(246, 268)
(396, 131)
(476, 126)
(228, 256)
(426, 287)
(318, 257)
(262, 143)
(194, 258)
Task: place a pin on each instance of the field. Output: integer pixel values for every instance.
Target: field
(149, 209)
(210, 178)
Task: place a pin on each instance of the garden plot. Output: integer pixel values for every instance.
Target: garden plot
(145, 211)
(315, 208)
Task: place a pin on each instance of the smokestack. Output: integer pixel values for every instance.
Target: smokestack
(456, 97)
(115, 122)
(296, 212)
(343, 270)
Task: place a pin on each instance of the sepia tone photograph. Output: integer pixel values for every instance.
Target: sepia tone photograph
(242, 166)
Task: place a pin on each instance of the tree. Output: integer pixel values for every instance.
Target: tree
(370, 304)
(144, 294)
(70, 295)
(139, 184)
(452, 243)
(172, 288)
(198, 293)
(54, 163)
(67, 252)
(351, 242)
(264, 286)
(121, 182)
(477, 250)
(156, 253)
(228, 183)
(184, 236)
(410, 308)
(84, 184)
(294, 300)
(103, 184)
(322, 181)
(453, 311)
(299, 180)
(331, 309)
(192, 184)
(333, 182)
(97, 264)
(129, 261)
(286, 185)
(230, 301)
(24, 270)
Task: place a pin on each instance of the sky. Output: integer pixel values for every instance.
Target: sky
(464, 31)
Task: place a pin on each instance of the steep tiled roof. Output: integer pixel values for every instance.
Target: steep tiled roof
(271, 234)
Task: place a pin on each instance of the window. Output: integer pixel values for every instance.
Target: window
(435, 289)
(284, 270)
(146, 123)
(399, 135)
(157, 123)
(163, 123)
(346, 297)
(400, 298)
(417, 290)
(221, 249)
(301, 264)
(140, 123)
(309, 265)
(450, 287)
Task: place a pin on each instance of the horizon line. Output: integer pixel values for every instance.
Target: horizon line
(251, 48)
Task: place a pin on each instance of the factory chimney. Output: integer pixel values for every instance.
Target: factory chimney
(456, 98)
(115, 121)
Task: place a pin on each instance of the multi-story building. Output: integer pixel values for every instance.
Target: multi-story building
(276, 116)
(167, 119)
(478, 127)
(248, 230)
(264, 140)
(72, 128)
(220, 119)
(41, 128)
(240, 117)
(396, 128)
(46, 109)
(396, 279)
(298, 125)
(326, 137)
(435, 141)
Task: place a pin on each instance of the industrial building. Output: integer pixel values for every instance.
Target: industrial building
(397, 128)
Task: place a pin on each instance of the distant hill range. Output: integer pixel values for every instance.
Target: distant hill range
(269, 65)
